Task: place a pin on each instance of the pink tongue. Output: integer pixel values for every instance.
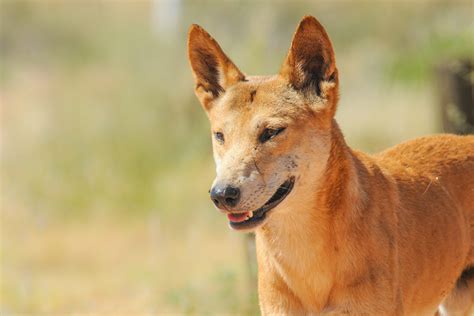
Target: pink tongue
(237, 218)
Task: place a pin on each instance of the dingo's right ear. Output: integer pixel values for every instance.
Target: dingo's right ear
(213, 71)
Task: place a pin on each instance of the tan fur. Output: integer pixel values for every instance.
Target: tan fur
(388, 234)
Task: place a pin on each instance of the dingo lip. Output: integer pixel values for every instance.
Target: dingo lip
(255, 218)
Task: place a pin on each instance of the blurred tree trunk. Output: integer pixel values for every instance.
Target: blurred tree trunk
(252, 269)
(455, 90)
(165, 17)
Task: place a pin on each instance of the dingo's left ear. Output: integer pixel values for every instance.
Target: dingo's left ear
(310, 61)
(213, 71)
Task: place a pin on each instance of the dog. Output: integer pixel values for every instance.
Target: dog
(338, 232)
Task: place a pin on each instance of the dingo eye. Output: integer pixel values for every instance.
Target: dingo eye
(269, 133)
(219, 137)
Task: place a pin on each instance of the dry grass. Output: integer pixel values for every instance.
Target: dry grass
(104, 266)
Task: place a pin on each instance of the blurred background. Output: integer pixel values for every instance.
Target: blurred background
(105, 152)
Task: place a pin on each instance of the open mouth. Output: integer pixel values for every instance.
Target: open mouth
(254, 218)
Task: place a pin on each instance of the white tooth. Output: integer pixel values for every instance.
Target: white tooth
(251, 215)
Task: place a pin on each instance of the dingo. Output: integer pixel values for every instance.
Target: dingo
(337, 231)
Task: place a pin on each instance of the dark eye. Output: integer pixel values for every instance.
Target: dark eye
(269, 133)
(219, 137)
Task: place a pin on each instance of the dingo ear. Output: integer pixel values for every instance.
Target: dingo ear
(213, 71)
(310, 61)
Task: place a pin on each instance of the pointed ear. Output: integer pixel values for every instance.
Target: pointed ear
(213, 71)
(310, 63)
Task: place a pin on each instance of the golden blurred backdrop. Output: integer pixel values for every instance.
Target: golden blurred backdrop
(105, 152)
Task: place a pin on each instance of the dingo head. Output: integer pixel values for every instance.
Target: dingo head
(271, 134)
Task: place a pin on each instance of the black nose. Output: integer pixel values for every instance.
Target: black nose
(225, 196)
